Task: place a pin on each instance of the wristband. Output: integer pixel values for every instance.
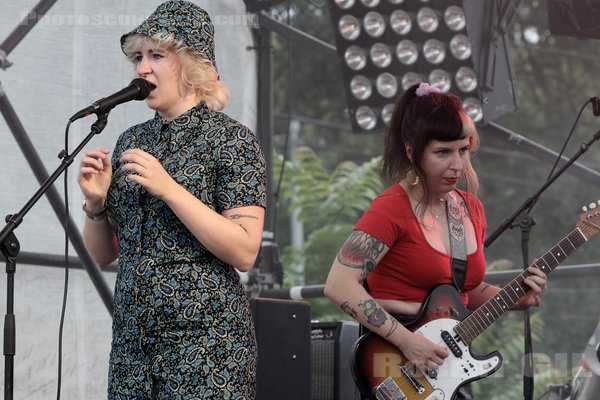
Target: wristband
(95, 216)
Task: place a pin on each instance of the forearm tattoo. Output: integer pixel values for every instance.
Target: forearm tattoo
(392, 328)
(349, 310)
(361, 251)
(375, 315)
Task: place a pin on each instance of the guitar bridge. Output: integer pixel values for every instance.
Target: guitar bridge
(388, 390)
(412, 379)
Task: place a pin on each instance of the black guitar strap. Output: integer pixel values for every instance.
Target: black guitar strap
(456, 209)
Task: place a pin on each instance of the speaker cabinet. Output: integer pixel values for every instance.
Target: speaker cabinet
(283, 337)
(331, 375)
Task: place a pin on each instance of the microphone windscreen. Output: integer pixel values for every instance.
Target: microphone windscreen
(143, 86)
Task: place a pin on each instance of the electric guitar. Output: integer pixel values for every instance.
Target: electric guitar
(382, 372)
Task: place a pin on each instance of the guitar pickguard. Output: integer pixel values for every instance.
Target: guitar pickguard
(461, 366)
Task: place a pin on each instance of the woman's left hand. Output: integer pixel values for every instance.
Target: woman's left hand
(143, 168)
(538, 283)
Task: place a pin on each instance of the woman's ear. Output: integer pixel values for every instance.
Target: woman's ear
(409, 151)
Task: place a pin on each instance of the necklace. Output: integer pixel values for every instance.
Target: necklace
(437, 216)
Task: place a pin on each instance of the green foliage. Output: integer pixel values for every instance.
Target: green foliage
(506, 337)
(329, 204)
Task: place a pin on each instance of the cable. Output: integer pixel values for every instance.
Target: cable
(64, 155)
(569, 137)
(289, 120)
(562, 150)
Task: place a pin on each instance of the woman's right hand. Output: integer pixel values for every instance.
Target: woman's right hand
(95, 173)
(423, 353)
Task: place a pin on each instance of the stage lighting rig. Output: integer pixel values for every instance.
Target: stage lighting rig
(385, 46)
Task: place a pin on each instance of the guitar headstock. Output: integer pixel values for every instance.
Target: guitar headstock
(589, 220)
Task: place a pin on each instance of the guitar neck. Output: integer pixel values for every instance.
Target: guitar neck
(478, 321)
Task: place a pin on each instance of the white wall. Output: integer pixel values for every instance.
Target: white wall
(70, 59)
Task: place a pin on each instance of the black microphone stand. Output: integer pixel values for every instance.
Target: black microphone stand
(525, 224)
(9, 245)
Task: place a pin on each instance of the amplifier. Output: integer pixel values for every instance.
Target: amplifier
(331, 375)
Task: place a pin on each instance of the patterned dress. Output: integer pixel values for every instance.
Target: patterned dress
(181, 316)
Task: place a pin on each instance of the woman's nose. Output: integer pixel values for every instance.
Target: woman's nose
(143, 67)
(457, 162)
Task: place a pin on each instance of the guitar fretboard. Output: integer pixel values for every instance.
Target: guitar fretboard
(478, 321)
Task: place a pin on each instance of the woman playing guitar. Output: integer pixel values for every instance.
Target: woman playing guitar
(420, 233)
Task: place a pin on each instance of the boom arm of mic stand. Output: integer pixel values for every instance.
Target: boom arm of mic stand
(15, 220)
(9, 245)
(533, 198)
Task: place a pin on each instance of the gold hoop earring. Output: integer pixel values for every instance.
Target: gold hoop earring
(412, 178)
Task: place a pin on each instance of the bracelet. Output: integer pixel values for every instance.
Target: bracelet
(95, 216)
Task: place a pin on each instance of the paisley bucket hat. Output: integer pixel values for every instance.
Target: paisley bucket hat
(186, 21)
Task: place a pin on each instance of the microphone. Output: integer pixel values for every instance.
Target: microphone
(595, 106)
(138, 89)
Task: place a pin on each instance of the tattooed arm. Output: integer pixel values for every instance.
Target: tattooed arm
(358, 256)
(356, 259)
(233, 236)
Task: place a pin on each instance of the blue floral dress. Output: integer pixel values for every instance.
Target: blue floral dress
(181, 316)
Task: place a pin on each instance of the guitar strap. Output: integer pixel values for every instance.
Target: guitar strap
(455, 207)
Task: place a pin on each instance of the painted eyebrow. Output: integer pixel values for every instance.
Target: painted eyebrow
(444, 146)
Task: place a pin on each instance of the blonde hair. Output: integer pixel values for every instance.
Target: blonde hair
(197, 72)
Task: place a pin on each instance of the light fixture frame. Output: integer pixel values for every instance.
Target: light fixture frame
(490, 56)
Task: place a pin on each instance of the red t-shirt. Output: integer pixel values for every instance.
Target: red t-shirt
(412, 267)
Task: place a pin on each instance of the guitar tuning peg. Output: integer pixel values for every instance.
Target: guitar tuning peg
(584, 208)
(592, 206)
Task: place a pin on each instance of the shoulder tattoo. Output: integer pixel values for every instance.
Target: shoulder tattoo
(360, 251)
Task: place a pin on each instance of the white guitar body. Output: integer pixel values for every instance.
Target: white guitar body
(383, 372)
(402, 382)
(455, 371)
